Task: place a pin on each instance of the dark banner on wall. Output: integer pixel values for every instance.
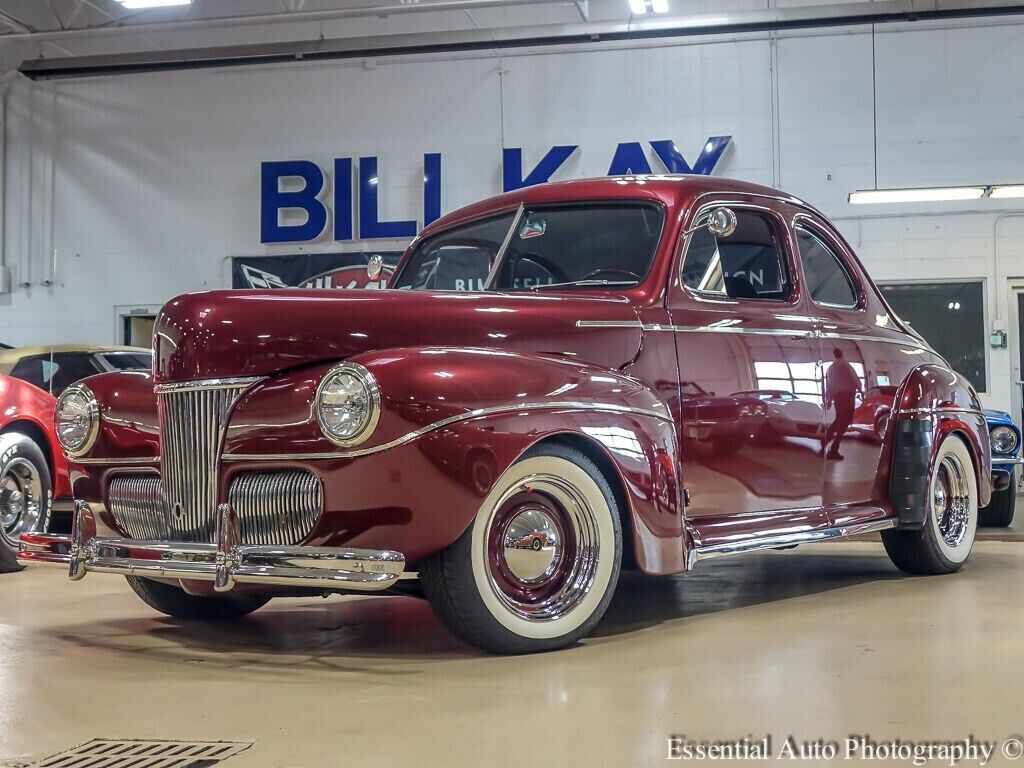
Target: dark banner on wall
(309, 270)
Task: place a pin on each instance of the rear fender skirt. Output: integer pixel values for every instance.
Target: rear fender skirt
(933, 403)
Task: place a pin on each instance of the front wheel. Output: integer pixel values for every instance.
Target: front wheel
(176, 602)
(944, 542)
(26, 492)
(504, 597)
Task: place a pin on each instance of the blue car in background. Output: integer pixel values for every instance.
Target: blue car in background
(1005, 438)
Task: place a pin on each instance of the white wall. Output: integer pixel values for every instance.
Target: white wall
(144, 184)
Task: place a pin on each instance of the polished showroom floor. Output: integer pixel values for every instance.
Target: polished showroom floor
(817, 642)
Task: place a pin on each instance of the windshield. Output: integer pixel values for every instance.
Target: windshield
(128, 361)
(579, 246)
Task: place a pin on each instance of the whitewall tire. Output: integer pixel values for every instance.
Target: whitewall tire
(945, 541)
(537, 567)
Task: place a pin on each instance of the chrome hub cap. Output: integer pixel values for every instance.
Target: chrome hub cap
(951, 503)
(542, 547)
(531, 544)
(21, 502)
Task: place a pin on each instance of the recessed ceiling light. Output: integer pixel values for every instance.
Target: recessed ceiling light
(638, 7)
(924, 195)
(659, 6)
(133, 5)
(1008, 190)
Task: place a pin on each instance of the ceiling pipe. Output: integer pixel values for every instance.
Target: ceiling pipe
(128, 28)
(500, 38)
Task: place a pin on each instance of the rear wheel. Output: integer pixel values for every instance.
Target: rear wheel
(1000, 510)
(174, 601)
(497, 590)
(25, 491)
(944, 542)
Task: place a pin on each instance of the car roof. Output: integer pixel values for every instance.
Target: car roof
(673, 190)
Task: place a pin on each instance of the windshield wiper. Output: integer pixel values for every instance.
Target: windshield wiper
(581, 283)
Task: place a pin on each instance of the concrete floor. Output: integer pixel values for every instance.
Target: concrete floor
(818, 642)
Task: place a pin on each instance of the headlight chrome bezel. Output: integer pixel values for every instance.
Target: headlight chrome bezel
(372, 390)
(1013, 433)
(92, 409)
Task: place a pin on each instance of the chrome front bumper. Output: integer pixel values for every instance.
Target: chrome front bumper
(225, 563)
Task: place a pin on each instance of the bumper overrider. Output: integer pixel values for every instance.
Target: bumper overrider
(226, 562)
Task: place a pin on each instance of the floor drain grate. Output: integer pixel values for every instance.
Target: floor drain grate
(128, 753)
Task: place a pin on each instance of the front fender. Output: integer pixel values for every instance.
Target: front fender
(452, 421)
(425, 387)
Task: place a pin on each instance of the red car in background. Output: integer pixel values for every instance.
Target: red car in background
(35, 490)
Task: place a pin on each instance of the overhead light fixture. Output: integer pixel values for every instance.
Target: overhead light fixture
(638, 7)
(1008, 190)
(136, 5)
(659, 6)
(923, 195)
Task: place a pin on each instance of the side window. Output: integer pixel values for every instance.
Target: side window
(746, 265)
(827, 279)
(35, 370)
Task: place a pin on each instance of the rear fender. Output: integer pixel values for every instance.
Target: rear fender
(933, 403)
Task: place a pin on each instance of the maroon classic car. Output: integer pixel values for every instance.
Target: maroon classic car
(522, 379)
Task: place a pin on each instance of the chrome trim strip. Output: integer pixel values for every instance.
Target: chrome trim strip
(201, 384)
(1001, 460)
(475, 414)
(809, 333)
(609, 324)
(756, 543)
(133, 460)
(942, 409)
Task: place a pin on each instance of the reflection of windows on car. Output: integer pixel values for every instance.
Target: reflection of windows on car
(745, 265)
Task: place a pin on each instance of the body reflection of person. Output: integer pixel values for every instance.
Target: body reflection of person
(842, 385)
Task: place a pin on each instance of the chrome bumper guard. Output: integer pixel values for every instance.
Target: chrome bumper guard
(225, 563)
(1002, 461)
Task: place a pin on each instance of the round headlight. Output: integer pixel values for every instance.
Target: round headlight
(1003, 439)
(348, 404)
(77, 419)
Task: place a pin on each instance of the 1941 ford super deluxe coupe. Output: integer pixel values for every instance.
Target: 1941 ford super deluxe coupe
(559, 382)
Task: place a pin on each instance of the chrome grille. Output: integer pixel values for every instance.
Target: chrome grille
(192, 418)
(273, 508)
(136, 502)
(276, 508)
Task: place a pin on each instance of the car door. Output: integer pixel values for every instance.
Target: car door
(861, 369)
(750, 417)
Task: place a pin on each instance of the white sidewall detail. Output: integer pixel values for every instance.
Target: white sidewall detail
(958, 554)
(574, 618)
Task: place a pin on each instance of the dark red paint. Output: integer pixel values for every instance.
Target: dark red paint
(753, 462)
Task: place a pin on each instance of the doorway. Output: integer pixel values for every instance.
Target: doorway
(134, 325)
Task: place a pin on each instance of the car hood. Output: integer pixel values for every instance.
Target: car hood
(249, 333)
(997, 417)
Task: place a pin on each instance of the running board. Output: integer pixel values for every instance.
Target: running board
(756, 543)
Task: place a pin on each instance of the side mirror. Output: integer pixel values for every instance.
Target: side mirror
(374, 267)
(722, 222)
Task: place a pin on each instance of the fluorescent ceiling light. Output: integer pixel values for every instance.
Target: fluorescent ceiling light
(133, 5)
(638, 7)
(1010, 190)
(659, 6)
(925, 195)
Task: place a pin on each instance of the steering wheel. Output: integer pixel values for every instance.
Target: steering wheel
(613, 271)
